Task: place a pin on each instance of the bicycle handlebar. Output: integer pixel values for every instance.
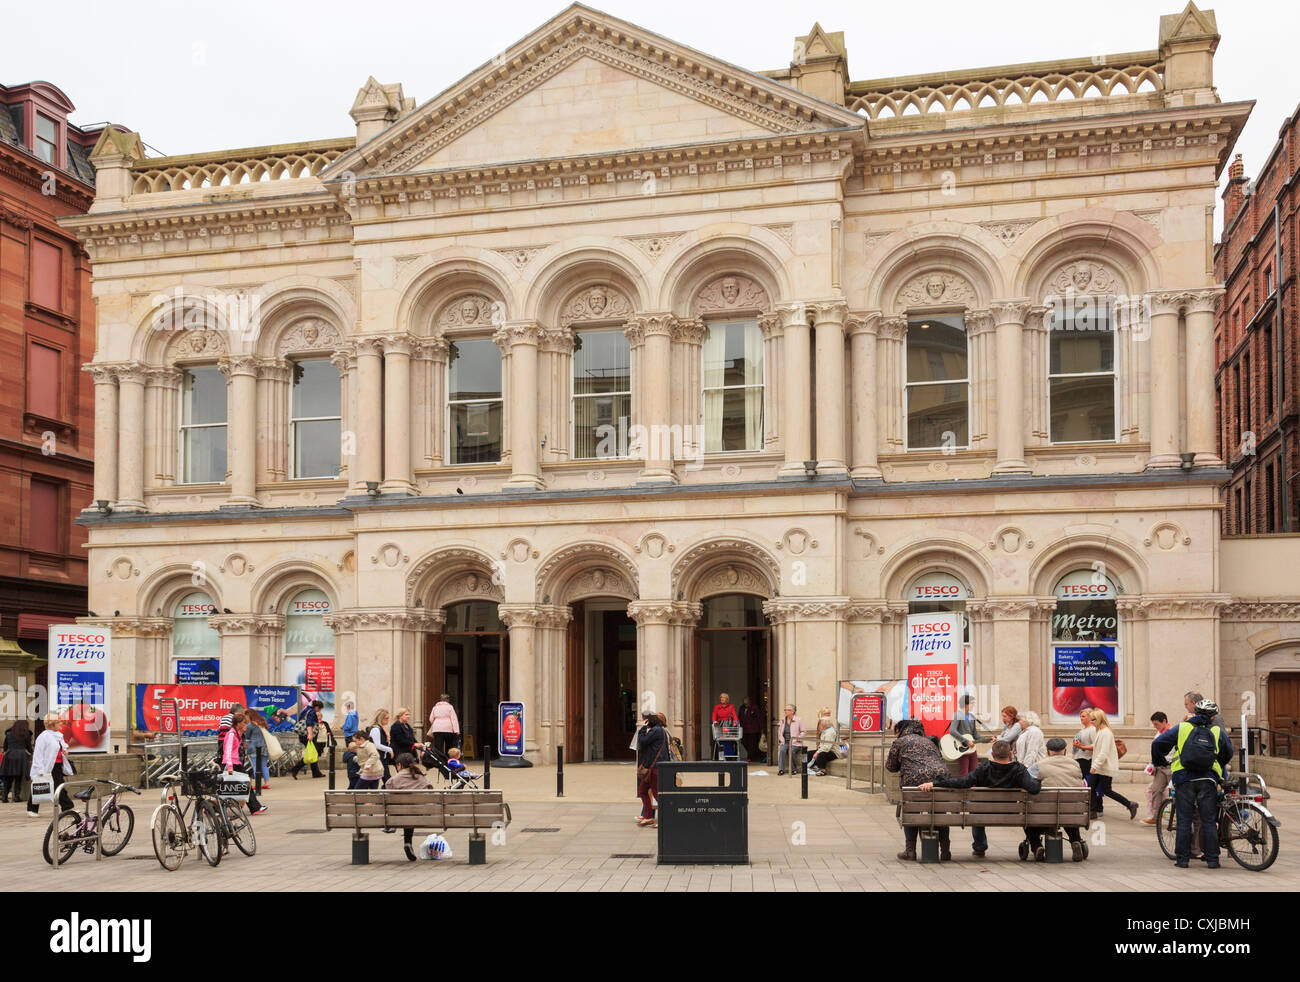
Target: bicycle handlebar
(115, 784)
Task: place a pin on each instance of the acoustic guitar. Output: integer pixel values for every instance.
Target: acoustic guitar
(954, 749)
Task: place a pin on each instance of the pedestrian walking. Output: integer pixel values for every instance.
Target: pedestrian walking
(1160, 776)
(379, 737)
(652, 749)
(232, 758)
(50, 759)
(751, 730)
(17, 758)
(828, 742)
(1202, 749)
(313, 733)
(724, 714)
(409, 777)
(350, 721)
(370, 769)
(254, 737)
(444, 725)
(402, 734)
(1030, 746)
(791, 732)
(1083, 743)
(1105, 766)
(915, 759)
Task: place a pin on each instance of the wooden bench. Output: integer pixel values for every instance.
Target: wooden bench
(989, 807)
(359, 811)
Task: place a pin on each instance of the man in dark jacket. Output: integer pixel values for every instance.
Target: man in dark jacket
(999, 771)
(1196, 787)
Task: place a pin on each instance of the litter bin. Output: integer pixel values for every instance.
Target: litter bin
(703, 812)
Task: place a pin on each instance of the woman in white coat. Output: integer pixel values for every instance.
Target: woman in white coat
(50, 759)
(1030, 745)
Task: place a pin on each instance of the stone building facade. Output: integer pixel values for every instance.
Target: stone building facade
(650, 376)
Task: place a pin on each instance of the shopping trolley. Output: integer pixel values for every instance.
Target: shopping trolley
(727, 744)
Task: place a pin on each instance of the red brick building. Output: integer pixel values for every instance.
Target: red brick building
(1256, 339)
(46, 335)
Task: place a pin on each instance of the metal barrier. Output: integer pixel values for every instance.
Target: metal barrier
(164, 759)
(873, 766)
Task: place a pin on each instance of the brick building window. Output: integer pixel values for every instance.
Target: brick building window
(44, 513)
(47, 139)
(1241, 515)
(1268, 280)
(938, 384)
(1235, 433)
(43, 380)
(47, 274)
(1250, 506)
(1268, 371)
(1270, 502)
(1245, 371)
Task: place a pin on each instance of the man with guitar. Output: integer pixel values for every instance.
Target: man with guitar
(958, 746)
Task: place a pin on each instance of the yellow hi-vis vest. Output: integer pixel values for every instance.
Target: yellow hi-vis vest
(1184, 731)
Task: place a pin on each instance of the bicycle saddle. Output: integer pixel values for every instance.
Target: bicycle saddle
(83, 795)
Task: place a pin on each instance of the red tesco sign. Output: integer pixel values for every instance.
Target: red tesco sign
(319, 675)
(868, 712)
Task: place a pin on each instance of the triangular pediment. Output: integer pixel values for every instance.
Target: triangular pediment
(1192, 24)
(587, 83)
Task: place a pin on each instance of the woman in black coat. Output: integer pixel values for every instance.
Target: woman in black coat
(18, 758)
(402, 737)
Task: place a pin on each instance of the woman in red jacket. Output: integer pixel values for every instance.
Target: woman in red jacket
(724, 712)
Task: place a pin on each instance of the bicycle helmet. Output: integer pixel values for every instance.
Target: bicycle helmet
(1208, 708)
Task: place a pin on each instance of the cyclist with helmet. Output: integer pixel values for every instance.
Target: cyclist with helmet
(1203, 748)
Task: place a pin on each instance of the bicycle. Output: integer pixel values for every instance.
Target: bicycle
(1247, 830)
(71, 829)
(237, 824)
(197, 824)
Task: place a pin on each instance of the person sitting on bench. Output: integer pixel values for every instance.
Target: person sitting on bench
(1056, 771)
(999, 771)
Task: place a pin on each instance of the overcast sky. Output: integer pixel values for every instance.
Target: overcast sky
(199, 77)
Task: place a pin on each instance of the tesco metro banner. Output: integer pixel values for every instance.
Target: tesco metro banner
(934, 668)
(79, 672)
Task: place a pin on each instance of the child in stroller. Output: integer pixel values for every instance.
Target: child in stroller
(460, 776)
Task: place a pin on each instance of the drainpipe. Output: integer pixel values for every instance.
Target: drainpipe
(1279, 342)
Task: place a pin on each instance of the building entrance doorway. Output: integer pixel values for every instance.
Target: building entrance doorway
(731, 653)
(1284, 712)
(470, 661)
(600, 697)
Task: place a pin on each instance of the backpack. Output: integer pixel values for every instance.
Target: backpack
(1200, 750)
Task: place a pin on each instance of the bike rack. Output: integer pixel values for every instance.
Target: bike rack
(97, 799)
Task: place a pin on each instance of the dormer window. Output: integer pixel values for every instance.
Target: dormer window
(47, 139)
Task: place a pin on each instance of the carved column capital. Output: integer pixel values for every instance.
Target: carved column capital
(398, 344)
(523, 615)
(164, 378)
(370, 347)
(689, 331)
(770, 325)
(132, 371)
(792, 315)
(893, 328)
(863, 322)
(652, 611)
(435, 349)
(557, 340)
(829, 312)
(344, 359)
(518, 333)
(1010, 311)
(101, 373)
(979, 321)
(233, 365)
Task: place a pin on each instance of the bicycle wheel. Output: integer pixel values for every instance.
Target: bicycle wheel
(1167, 828)
(1249, 838)
(64, 827)
(239, 826)
(115, 828)
(169, 840)
(211, 838)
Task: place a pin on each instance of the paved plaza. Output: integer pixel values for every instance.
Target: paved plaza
(837, 840)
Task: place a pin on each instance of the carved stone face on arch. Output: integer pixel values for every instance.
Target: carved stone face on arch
(311, 332)
(730, 289)
(935, 286)
(1081, 277)
(469, 310)
(597, 301)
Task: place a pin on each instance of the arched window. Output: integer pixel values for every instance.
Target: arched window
(602, 391)
(1081, 376)
(938, 383)
(1086, 647)
(203, 425)
(474, 402)
(733, 386)
(309, 647)
(196, 647)
(316, 420)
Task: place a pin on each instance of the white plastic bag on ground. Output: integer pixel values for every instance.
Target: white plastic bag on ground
(434, 847)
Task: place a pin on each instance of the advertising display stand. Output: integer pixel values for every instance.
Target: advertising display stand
(510, 735)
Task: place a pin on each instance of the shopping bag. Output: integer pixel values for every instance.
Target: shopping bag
(762, 742)
(42, 789)
(310, 754)
(273, 748)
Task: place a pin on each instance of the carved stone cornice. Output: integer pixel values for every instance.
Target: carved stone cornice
(1192, 301)
(386, 619)
(232, 365)
(863, 322)
(235, 625)
(652, 611)
(1284, 611)
(1169, 606)
(1010, 311)
(689, 331)
(517, 333)
(784, 609)
(131, 627)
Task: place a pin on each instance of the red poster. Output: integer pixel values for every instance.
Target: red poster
(320, 675)
(868, 712)
(167, 716)
(933, 692)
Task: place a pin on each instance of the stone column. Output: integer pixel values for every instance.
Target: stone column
(130, 440)
(1201, 420)
(1035, 370)
(686, 616)
(437, 350)
(1009, 316)
(981, 369)
(829, 323)
(552, 710)
(654, 619)
(370, 423)
(891, 336)
(520, 340)
(243, 646)
(345, 360)
(652, 333)
(397, 415)
(241, 431)
(1010, 666)
(522, 621)
(864, 391)
(105, 378)
(797, 385)
(1164, 380)
(774, 369)
(811, 658)
(688, 337)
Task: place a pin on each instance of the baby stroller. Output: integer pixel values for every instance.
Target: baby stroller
(431, 760)
(464, 779)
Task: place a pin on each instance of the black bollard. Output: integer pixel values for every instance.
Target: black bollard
(487, 767)
(257, 771)
(559, 772)
(184, 763)
(803, 773)
(330, 745)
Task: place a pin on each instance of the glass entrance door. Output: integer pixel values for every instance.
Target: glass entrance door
(476, 671)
